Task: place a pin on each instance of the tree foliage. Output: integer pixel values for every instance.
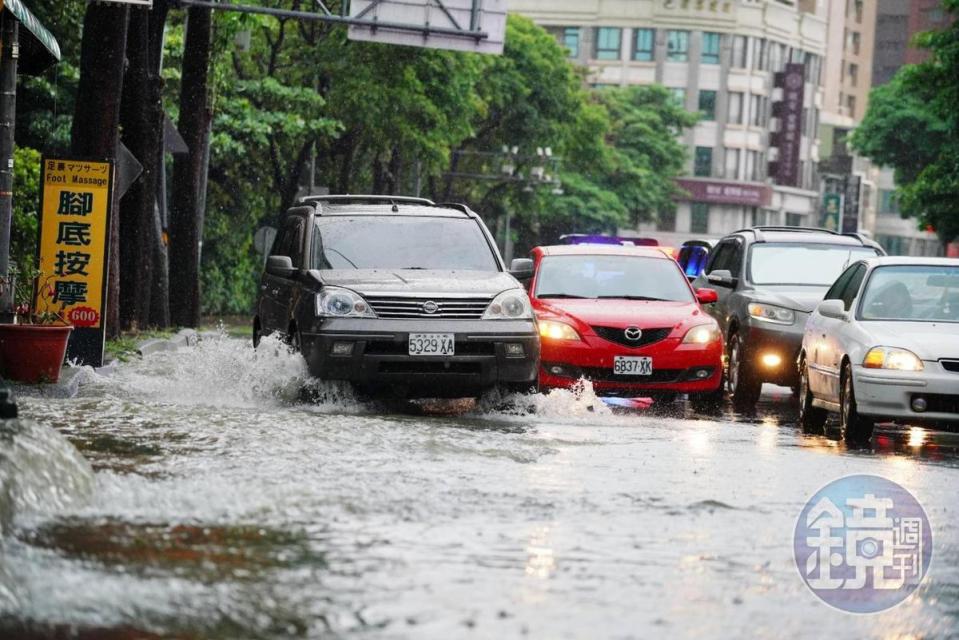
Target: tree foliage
(912, 125)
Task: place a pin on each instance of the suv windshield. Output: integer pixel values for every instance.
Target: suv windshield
(912, 293)
(816, 265)
(400, 242)
(628, 277)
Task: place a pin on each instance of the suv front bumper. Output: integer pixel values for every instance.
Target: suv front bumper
(379, 355)
(765, 341)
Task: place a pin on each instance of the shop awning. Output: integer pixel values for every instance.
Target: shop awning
(38, 47)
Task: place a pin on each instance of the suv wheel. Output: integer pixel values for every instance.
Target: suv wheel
(852, 426)
(741, 382)
(811, 418)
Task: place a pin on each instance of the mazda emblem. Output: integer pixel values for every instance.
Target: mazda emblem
(430, 307)
(633, 333)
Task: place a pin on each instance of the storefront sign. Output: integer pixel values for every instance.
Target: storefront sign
(74, 229)
(831, 210)
(789, 112)
(714, 192)
(850, 214)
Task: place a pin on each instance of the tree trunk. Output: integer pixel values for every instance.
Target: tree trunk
(188, 172)
(97, 115)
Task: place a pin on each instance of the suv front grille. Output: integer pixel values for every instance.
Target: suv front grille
(471, 308)
(619, 336)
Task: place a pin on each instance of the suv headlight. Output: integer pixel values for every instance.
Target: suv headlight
(509, 305)
(703, 334)
(892, 358)
(336, 302)
(772, 313)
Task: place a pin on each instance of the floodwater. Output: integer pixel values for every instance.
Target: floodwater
(198, 494)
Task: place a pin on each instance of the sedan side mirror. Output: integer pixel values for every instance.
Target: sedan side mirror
(281, 266)
(521, 268)
(722, 277)
(832, 309)
(706, 296)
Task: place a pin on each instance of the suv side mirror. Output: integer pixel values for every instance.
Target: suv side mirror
(706, 296)
(281, 266)
(521, 268)
(722, 277)
(832, 309)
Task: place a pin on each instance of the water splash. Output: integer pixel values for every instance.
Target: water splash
(577, 402)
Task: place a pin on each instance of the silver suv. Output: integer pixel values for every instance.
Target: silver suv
(768, 280)
(398, 294)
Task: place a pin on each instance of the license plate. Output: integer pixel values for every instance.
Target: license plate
(432, 344)
(632, 366)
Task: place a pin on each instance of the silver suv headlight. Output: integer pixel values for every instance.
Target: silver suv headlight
(336, 302)
(772, 313)
(512, 304)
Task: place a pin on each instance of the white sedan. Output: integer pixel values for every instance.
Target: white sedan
(883, 345)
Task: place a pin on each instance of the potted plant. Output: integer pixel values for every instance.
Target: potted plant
(32, 348)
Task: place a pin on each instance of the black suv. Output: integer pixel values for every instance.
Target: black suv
(769, 279)
(401, 293)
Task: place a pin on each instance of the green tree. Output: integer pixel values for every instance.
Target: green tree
(26, 203)
(912, 125)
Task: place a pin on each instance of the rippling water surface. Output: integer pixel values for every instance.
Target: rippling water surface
(215, 492)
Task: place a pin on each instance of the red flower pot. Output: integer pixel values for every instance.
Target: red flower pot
(32, 353)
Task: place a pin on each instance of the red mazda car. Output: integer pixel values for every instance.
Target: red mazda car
(626, 319)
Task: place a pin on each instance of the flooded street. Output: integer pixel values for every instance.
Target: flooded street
(198, 493)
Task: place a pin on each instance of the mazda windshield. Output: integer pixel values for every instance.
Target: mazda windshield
(401, 242)
(807, 264)
(614, 277)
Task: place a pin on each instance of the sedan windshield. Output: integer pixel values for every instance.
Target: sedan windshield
(624, 277)
(912, 293)
(395, 242)
(816, 265)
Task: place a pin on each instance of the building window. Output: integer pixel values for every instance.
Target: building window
(699, 217)
(759, 54)
(608, 43)
(677, 46)
(759, 111)
(888, 204)
(855, 42)
(794, 219)
(760, 217)
(703, 164)
(851, 105)
(751, 165)
(643, 44)
(666, 221)
(739, 52)
(857, 4)
(707, 104)
(710, 48)
(735, 115)
(854, 74)
(679, 94)
(571, 41)
(732, 164)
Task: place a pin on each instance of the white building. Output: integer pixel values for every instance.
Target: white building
(720, 57)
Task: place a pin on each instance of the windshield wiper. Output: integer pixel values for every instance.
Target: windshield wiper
(559, 295)
(352, 264)
(633, 298)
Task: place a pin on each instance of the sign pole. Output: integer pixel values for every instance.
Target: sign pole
(9, 33)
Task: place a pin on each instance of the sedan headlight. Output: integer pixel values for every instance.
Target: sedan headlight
(553, 330)
(892, 358)
(703, 334)
(509, 305)
(336, 302)
(772, 313)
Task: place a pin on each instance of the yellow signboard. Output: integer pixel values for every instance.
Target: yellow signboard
(74, 231)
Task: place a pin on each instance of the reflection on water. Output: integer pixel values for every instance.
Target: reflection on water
(221, 505)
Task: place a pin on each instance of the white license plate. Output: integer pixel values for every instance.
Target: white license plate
(432, 344)
(632, 366)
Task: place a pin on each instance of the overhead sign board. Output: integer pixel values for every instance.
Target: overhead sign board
(461, 25)
(716, 192)
(75, 207)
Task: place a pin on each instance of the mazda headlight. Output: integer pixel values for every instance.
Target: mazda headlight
(892, 358)
(335, 302)
(772, 313)
(509, 305)
(553, 330)
(703, 334)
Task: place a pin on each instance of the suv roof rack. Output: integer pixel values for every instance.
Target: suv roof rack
(758, 232)
(367, 199)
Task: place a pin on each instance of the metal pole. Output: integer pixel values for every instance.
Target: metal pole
(9, 33)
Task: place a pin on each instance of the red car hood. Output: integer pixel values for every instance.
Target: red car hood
(623, 313)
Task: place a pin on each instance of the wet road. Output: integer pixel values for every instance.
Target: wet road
(195, 494)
